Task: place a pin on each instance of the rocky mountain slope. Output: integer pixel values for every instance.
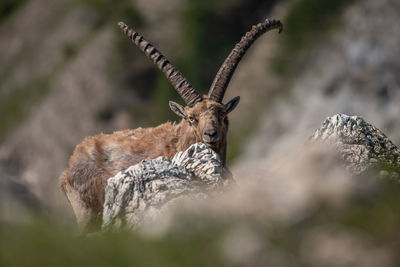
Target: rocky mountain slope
(67, 72)
(354, 70)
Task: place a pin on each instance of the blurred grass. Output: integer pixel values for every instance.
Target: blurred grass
(198, 239)
(47, 244)
(42, 243)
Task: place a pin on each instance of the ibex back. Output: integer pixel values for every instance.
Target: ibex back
(204, 119)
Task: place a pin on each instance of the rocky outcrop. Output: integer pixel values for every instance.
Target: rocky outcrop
(146, 191)
(147, 188)
(360, 144)
(354, 70)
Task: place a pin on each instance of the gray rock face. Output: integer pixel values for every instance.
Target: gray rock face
(353, 71)
(142, 191)
(145, 192)
(360, 144)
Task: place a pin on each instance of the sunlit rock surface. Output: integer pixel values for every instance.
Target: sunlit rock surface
(145, 189)
(360, 144)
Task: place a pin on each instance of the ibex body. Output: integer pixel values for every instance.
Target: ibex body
(204, 119)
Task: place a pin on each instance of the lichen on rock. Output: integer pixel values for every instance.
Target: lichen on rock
(145, 192)
(360, 144)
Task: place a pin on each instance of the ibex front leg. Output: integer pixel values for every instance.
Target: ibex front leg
(85, 216)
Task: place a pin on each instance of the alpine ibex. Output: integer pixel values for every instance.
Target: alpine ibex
(204, 119)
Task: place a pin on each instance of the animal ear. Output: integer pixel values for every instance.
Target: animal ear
(231, 105)
(178, 109)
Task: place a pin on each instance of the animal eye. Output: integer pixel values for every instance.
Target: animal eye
(192, 119)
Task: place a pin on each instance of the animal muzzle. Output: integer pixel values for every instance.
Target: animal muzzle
(210, 135)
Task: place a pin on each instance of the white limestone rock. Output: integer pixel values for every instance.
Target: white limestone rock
(360, 144)
(144, 189)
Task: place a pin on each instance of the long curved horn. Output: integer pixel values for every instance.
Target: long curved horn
(176, 78)
(224, 75)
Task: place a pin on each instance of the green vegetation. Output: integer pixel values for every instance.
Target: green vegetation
(46, 244)
(15, 107)
(29, 48)
(208, 36)
(196, 20)
(390, 170)
(208, 39)
(113, 11)
(198, 239)
(7, 7)
(237, 139)
(306, 24)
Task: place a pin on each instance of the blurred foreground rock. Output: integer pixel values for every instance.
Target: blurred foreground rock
(148, 191)
(147, 188)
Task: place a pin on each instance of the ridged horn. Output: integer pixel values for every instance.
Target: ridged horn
(224, 75)
(174, 76)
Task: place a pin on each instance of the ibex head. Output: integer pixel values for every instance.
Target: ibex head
(204, 119)
(207, 115)
(208, 119)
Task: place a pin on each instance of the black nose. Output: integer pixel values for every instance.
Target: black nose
(210, 135)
